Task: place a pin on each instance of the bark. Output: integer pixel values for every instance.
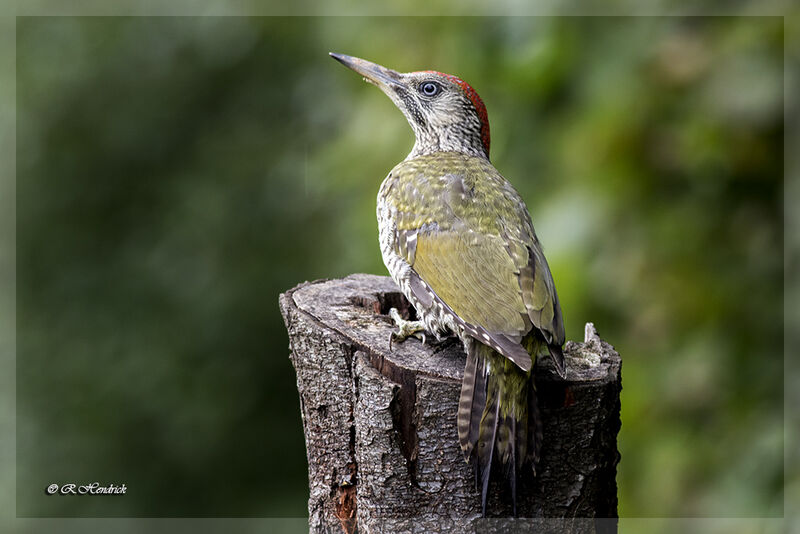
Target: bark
(380, 424)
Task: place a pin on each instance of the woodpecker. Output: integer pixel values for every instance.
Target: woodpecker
(458, 240)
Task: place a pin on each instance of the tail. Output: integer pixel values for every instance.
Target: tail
(498, 418)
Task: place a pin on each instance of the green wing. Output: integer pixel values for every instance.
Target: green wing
(475, 249)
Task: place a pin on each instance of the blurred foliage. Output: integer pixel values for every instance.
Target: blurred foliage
(176, 174)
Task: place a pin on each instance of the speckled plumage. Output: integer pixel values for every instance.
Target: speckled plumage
(452, 219)
(458, 240)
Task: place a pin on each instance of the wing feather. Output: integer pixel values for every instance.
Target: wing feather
(474, 252)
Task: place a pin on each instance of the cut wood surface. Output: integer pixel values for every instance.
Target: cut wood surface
(380, 423)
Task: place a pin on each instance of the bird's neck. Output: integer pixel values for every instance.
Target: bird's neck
(454, 138)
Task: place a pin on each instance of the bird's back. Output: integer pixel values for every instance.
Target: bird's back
(453, 220)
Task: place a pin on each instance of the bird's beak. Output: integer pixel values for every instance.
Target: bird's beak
(372, 72)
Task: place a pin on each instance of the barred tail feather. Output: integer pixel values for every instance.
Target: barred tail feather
(513, 464)
(522, 427)
(487, 438)
(534, 437)
(498, 418)
(472, 401)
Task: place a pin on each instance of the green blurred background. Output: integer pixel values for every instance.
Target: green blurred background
(176, 174)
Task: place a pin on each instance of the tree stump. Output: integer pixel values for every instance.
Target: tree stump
(380, 424)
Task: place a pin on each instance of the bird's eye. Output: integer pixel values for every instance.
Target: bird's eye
(430, 88)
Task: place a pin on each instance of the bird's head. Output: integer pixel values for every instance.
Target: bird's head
(446, 113)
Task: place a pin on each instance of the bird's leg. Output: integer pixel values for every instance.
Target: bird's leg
(405, 329)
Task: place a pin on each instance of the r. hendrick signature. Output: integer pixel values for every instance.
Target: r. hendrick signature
(88, 489)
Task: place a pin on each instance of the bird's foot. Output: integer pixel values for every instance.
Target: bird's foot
(405, 329)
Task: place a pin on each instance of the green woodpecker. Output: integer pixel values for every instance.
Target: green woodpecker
(458, 240)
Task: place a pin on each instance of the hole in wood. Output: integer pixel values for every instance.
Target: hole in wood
(381, 303)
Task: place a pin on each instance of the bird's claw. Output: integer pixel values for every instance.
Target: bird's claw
(405, 329)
